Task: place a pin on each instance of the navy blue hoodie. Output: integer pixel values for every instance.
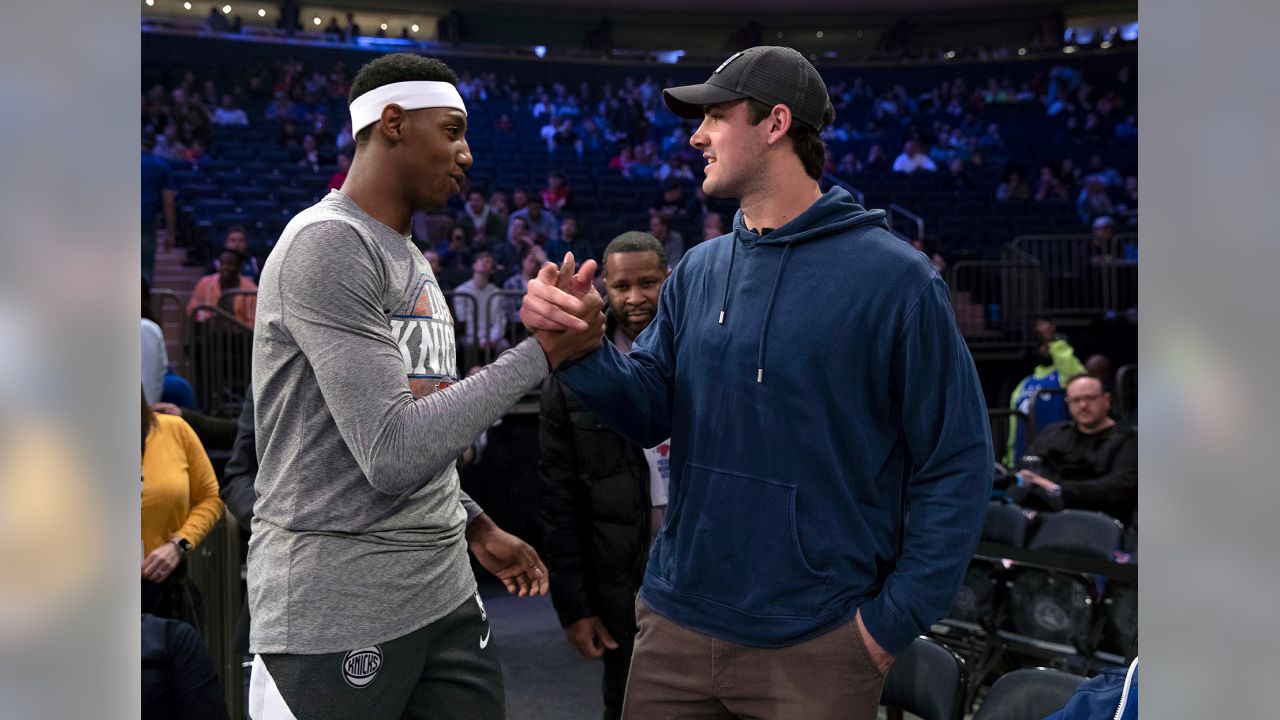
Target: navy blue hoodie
(829, 439)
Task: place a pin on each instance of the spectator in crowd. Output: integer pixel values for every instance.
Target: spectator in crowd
(155, 356)
(848, 166)
(519, 237)
(1056, 364)
(569, 241)
(712, 226)
(542, 224)
(672, 201)
(1099, 366)
(485, 319)
(604, 498)
(179, 680)
(433, 259)
(672, 241)
(339, 176)
(504, 123)
(180, 506)
(1103, 229)
(957, 177)
(1049, 189)
(333, 31)
(455, 252)
(1128, 128)
(158, 199)
(1088, 462)
(486, 226)
(215, 22)
(1093, 200)
(992, 140)
(555, 196)
(210, 288)
(876, 159)
(565, 138)
(622, 161)
(353, 29)
(534, 258)
(500, 205)
(1013, 188)
(519, 200)
(237, 239)
(169, 145)
(913, 160)
(280, 108)
(227, 113)
(1109, 176)
(1127, 207)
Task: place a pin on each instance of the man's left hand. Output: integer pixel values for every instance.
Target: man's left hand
(510, 559)
(881, 657)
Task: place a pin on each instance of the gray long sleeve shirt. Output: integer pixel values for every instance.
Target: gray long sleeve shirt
(358, 534)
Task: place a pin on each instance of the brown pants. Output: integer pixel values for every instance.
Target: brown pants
(679, 673)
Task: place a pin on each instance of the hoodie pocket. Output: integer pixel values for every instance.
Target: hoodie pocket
(737, 546)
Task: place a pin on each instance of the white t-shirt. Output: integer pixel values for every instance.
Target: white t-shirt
(155, 360)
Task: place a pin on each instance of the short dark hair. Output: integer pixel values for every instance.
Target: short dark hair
(663, 218)
(806, 140)
(237, 229)
(635, 242)
(394, 68)
(1087, 376)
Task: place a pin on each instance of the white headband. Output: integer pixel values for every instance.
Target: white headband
(410, 95)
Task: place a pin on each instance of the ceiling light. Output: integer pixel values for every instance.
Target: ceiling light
(384, 26)
(951, 54)
(226, 9)
(819, 34)
(1022, 51)
(151, 3)
(779, 35)
(262, 13)
(1105, 45)
(186, 5)
(414, 27)
(1069, 49)
(315, 21)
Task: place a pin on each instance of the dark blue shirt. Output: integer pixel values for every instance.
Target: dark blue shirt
(156, 178)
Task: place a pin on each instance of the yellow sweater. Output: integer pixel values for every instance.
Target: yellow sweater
(179, 489)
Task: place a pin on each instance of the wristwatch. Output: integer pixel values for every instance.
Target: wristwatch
(184, 545)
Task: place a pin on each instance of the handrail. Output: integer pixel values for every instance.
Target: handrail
(222, 356)
(919, 221)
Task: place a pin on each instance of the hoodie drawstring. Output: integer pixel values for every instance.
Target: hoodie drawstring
(724, 305)
(768, 311)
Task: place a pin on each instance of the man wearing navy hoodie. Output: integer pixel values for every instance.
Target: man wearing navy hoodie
(830, 455)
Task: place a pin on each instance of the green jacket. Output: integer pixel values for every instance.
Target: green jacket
(1065, 364)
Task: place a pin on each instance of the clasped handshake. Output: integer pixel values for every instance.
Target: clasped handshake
(563, 311)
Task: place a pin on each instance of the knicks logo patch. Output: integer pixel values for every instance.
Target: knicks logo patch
(360, 667)
(422, 387)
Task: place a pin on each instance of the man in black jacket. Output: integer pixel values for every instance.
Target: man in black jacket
(604, 497)
(1092, 461)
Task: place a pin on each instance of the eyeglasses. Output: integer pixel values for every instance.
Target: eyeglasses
(1083, 399)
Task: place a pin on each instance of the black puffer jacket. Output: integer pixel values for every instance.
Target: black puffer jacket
(595, 513)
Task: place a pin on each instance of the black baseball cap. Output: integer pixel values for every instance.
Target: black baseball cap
(767, 73)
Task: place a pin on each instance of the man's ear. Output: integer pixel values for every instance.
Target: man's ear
(392, 122)
(779, 122)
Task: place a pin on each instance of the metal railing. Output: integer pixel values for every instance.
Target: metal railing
(1081, 277)
(221, 360)
(170, 308)
(215, 568)
(465, 312)
(896, 211)
(995, 302)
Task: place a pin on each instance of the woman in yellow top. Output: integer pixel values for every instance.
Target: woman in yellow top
(180, 505)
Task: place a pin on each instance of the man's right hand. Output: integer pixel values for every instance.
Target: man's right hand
(563, 310)
(590, 637)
